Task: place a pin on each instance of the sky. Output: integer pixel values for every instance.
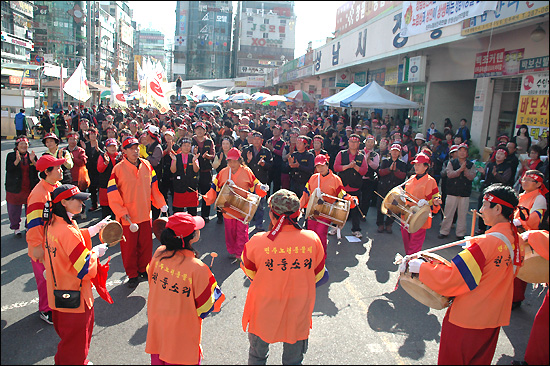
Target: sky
(315, 21)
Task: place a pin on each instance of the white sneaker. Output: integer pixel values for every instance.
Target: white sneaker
(17, 233)
(357, 234)
(332, 231)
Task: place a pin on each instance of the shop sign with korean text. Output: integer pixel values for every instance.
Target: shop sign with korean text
(533, 105)
(533, 64)
(489, 63)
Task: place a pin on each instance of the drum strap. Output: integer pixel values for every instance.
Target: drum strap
(508, 244)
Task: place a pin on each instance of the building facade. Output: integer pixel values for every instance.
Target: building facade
(473, 69)
(264, 36)
(202, 41)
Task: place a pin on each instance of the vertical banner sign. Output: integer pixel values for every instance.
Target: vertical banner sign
(511, 61)
(489, 63)
(533, 105)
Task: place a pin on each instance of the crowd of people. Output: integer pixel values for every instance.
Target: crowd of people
(137, 164)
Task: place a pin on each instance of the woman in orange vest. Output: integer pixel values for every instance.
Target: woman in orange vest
(532, 205)
(480, 278)
(329, 183)
(236, 232)
(422, 187)
(182, 292)
(72, 264)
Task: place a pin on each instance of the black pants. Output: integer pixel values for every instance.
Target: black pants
(275, 175)
(380, 217)
(354, 214)
(297, 187)
(106, 211)
(93, 195)
(205, 181)
(191, 210)
(367, 191)
(21, 132)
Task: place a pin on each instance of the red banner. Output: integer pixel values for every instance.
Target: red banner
(489, 63)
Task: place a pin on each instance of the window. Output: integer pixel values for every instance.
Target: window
(249, 33)
(250, 20)
(266, 35)
(282, 35)
(266, 21)
(283, 21)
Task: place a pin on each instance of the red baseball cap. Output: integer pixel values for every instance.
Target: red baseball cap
(183, 224)
(50, 136)
(233, 154)
(46, 161)
(110, 142)
(321, 159)
(395, 147)
(129, 141)
(421, 158)
(200, 124)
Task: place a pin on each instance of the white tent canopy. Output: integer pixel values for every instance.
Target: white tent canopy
(373, 95)
(334, 100)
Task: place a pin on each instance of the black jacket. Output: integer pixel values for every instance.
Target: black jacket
(261, 172)
(14, 175)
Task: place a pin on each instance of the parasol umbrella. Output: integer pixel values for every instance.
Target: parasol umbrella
(239, 97)
(299, 95)
(260, 97)
(191, 98)
(276, 100)
(106, 94)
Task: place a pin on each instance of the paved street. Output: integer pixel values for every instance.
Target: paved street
(358, 317)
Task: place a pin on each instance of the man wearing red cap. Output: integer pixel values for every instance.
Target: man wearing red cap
(330, 184)
(351, 165)
(105, 164)
(51, 174)
(424, 188)
(236, 232)
(131, 189)
(301, 165)
(204, 147)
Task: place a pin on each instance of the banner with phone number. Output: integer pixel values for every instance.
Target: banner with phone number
(533, 105)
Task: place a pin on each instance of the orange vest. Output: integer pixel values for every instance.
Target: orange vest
(131, 190)
(424, 188)
(182, 292)
(284, 272)
(35, 205)
(72, 260)
(331, 184)
(481, 278)
(527, 200)
(243, 178)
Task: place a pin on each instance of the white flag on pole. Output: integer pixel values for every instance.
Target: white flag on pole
(77, 85)
(154, 91)
(117, 97)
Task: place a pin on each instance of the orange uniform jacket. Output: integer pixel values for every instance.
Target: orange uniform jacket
(40, 194)
(284, 273)
(331, 184)
(481, 277)
(72, 258)
(182, 292)
(424, 188)
(131, 190)
(243, 178)
(536, 204)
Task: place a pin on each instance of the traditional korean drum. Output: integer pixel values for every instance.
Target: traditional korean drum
(421, 292)
(325, 206)
(237, 202)
(111, 234)
(534, 268)
(405, 210)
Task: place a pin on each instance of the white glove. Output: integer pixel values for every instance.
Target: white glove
(100, 250)
(414, 265)
(264, 187)
(517, 222)
(164, 209)
(403, 264)
(525, 235)
(94, 230)
(422, 202)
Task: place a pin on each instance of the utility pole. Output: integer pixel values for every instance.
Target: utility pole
(89, 40)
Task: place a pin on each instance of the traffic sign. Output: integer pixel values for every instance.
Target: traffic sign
(39, 59)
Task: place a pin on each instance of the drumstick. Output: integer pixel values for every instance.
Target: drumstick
(361, 212)
(474, 212)
(213, 255)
